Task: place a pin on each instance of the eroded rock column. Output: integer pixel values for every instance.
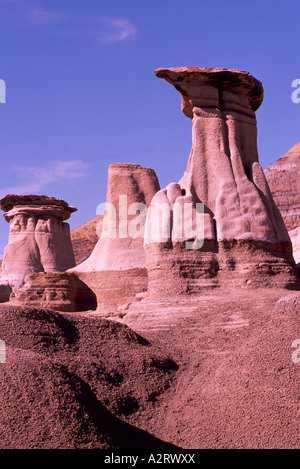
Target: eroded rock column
(116, 269)
(39, 237)
(244, 233)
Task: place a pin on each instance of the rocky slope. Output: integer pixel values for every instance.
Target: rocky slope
(84, 238)
(238, 381)
(74, 382)
(200, 372)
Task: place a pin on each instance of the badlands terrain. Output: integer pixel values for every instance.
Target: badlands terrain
(138, 342)
(209, 372)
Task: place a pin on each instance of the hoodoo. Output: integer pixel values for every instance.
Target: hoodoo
(245, 240)
(39, 238)
(116, 269)
(218, 227)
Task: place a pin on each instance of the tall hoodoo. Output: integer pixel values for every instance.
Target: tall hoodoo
(245, 239)
(128, 184)
(116, 269)
(39, 237)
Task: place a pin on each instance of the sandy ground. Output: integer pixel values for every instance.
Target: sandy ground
(216, 370)
(237, 385)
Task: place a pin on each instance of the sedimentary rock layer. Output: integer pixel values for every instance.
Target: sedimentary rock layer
(283, 178)
(60, 291)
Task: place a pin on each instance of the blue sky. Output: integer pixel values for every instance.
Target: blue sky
(81, 89)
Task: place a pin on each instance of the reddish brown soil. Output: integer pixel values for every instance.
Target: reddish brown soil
(237, 385)
(69, 382)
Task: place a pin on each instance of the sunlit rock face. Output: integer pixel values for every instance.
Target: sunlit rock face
(120, 246)
(39, 237)
(245, 241)
(116, 269)
(295, 238)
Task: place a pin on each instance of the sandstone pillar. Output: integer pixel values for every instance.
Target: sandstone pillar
(39, 237)
(116, 269)
(244, 232)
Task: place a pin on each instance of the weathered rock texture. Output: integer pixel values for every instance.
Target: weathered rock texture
(116, 269)
(283, 178)
(295, 238)
(238, 385)
(60, 291)
(39, 238)
(245, 239)
(70, 382)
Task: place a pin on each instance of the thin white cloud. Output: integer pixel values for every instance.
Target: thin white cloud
(38, 177)
(111, 29)
(36, 15)
(28, 13)
(102, 30)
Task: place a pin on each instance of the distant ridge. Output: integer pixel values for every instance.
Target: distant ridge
(84, 239)
(283, 177)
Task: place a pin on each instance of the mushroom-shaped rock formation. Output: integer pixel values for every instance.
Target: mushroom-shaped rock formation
(116, 269)
(39, 238)
(245, 241)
